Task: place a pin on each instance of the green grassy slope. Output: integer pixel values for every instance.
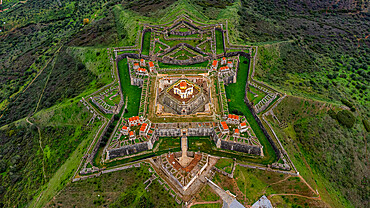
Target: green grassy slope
(331, 150)
(130, 92)
(118, 189)
(235, 93)
(322, 53)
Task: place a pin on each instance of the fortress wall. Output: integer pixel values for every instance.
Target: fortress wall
(234, 146)
(189, 109)
(127, 150)
(137, 81)
(168, 132)
(229, 79)
(200, 131)
(95, 150)
(250, 106)
(101, 107)
(125, 55)
(183, 33)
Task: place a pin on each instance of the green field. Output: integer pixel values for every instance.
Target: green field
(168, 144)
(235, 92)
(225, 164)
(110, 100)
(219, 42)
(146, 43)
(132, 92)
(252, 98)
(118, 189)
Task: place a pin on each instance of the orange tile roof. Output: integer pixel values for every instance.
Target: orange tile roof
(136, 64)
(141, 60)
(243, 124)
(131, 133)
(229, 62)
(143, 127)
(141, 70)
(224, 68)
(232, 116)
(134, 118)
(224, 125)
(183, 84)
(223, 58)
(214, 63)
(237, 131)
(124, 127)
(151, 64)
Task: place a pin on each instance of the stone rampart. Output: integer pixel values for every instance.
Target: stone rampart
(200, 131)
(168, 132)
(250, 106)
(127, 150)
(239, 147)
(97, 145)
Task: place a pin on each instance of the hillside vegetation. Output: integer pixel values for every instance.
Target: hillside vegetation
(50, 58)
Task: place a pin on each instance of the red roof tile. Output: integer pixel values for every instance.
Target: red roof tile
(151, 64)
(214, 63)
(143, 127)
(224, 125)
(183, 84)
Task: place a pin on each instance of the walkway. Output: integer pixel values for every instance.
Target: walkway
(184, 160)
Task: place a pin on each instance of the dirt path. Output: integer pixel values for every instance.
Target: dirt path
(282, 180)
(13, 5)
(43, 90)
(206, 202)
(307, 197)
(40, 143)
(38, 74)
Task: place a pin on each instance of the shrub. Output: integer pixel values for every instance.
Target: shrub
(346, 118)
(332, 114)
(348, 104)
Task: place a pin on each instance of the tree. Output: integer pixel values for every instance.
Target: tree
(346, 118)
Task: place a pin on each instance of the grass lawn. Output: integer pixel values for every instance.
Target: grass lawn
(207, 205)
(235, 92)
(114, 100)
(252, 181)
(219, 42)
(163, 65)
(252, 97)
(124, 188)
(132, 92)
(146, 43)
(223, 163)
(169, 143)
(207, 194)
